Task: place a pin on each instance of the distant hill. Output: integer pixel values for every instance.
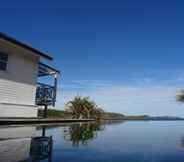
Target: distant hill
(112, 116)
(146, 117)
(166, 118)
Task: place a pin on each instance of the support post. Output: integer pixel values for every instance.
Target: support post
(43, 131)
(50, 149)
(55, 88)
(45, 111)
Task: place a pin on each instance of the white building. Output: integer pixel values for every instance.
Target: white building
(20, 67)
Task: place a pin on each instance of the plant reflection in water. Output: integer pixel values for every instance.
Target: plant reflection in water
(82, 133)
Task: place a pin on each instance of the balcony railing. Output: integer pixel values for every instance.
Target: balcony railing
(45, 95)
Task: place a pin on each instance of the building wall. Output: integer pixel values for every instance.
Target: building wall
(18, 82)
(12, 110)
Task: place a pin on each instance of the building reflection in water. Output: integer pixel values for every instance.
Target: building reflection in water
(41, 147)
(17, 145)
(24, 144)
(81, 134)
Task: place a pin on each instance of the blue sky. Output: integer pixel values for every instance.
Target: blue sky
(127, 55)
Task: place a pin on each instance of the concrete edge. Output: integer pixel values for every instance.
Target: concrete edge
(40, 121)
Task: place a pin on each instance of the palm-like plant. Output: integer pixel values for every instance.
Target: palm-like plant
(83, 107)
(180, 97)
(75, 107)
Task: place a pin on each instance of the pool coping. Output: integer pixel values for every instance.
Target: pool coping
(11, 121)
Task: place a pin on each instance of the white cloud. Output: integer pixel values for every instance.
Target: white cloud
(150, 98)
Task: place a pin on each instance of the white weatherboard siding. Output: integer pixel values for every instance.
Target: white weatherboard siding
(16, 93)
(18, 82)
(7, 110)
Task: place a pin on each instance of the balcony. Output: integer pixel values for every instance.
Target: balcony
(45, 93)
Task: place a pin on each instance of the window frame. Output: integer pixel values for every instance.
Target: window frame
(3, 61)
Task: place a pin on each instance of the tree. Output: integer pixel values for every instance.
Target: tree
(75, 107)
(180, 97)
(83, 107)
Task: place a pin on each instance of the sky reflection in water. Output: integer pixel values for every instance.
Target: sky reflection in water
(141, 141)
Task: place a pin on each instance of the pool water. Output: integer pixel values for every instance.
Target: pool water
(131, 141)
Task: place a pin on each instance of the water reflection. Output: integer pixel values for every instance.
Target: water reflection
(41, 147)
(106, 142)
(113, 122)
(82, 133)
(18, 145)
(32, 144)
(182, 142)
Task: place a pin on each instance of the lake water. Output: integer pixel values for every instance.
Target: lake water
(131, 141)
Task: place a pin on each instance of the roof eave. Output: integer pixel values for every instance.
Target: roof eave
(23, 45)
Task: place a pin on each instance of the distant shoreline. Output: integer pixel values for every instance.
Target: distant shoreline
(146, 119)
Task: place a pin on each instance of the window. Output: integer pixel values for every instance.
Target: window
(3, 61)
